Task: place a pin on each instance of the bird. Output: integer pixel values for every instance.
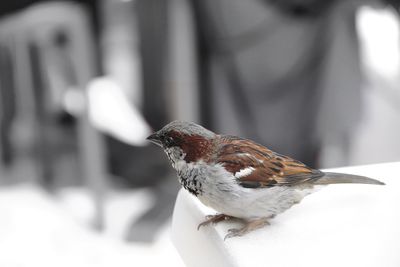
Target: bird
(239, 178)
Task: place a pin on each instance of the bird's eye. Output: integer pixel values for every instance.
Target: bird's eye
(169, 141)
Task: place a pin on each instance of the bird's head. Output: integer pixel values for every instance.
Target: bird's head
(184, 141)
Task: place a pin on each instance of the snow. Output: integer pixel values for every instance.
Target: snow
(39, 229)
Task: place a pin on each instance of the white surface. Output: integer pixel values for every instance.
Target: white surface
(340, 225)
(37, 230)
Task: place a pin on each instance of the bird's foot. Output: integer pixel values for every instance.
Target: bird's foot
(250, 226)
(214, 219)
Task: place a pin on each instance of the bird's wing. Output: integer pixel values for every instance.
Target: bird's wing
(256, 166)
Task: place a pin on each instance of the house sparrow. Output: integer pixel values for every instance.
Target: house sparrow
(238, 177)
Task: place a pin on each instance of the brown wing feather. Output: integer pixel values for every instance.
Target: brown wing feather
(267, 167)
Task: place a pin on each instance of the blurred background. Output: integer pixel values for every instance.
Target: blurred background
(82, 83)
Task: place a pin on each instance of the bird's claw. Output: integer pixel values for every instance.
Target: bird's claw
(209, 217)
(202, 224)
(233, 232)
(214, 219)
(250, 226)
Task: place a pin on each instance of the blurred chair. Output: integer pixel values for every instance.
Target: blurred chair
(7, 100)
(24, 41)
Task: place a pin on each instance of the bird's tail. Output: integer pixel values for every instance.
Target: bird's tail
(342, 178)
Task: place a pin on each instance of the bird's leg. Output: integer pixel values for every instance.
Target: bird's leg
(250, 226)
(214, 219)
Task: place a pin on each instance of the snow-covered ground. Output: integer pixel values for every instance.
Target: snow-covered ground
(39, 229)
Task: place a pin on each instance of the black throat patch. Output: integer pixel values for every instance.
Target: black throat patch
(189, 180)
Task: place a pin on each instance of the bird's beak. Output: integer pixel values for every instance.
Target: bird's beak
(155, 139)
